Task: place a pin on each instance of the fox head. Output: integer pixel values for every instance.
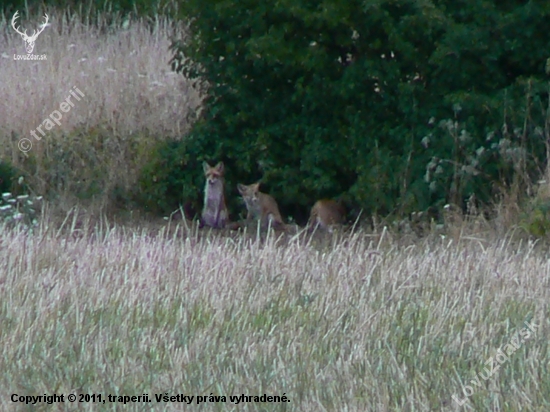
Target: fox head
(251, 196)
(213, 174)
(249, 192)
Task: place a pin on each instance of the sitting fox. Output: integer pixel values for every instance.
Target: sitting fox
(325, 214)
(214, 213)
(261, 206)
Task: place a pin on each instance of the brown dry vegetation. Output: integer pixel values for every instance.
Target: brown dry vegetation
(132, 100)
(352, 322)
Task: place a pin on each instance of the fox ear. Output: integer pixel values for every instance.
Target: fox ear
(220, 167)
(205, 167)
(240, 188)
(256, 186)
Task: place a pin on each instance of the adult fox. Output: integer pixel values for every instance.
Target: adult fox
(214, 212)
(325, 214)
(261, 206)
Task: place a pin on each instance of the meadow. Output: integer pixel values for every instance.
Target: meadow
(349, 321)
(359, 320)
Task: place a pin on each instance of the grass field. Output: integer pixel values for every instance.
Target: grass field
(354, 322)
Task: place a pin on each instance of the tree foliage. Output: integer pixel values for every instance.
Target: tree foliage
(7, 176)
(369, 98)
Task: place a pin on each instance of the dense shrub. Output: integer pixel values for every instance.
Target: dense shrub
(16, 205)
(169, 177)
(371, 99)
(7, 175)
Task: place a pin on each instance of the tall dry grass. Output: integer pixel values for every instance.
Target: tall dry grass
(354, 323)
(122, 68)
(132, 98)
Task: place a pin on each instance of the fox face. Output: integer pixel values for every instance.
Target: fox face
(260, 206)
(214, 213)
(213, 174)
(251, 198)
(325, 214)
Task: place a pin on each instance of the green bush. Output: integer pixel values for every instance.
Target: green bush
(7, 176)
(170, 177)
(16, 205)
(336, 97)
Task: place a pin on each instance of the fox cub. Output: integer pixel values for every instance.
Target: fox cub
(325, 214)
(214, 213)
(261, 206)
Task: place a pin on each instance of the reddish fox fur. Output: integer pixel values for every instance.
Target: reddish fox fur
(214, 212)
(261, 206)
(325, 214)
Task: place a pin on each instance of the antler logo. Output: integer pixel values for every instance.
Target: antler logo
(29, 40)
